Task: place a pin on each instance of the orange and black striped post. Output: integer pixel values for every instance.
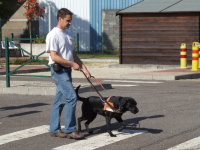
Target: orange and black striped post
(183, 56)
(195, 56)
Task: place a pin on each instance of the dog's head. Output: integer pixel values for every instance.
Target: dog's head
(129, 104)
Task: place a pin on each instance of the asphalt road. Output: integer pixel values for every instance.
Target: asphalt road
(169, 115)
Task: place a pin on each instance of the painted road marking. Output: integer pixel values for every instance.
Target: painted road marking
(0, 122)
(101, 140)
(23, 134)
(129, 81)
(191, 144)
(113, 85)
(123, 85)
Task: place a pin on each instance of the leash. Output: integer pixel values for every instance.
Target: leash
(100, 96)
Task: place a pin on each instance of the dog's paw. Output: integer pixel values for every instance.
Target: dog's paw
(90, 131)
(79, 130)
(121, 128)
(112, 135)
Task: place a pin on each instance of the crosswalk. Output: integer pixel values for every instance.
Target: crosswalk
(98, 140)
(103, 140)
(193, 144)
(27, 133)
(91, 142)
(129, 83)
(88, 144)
(119, 83)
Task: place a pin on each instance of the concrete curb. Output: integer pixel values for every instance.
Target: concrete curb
(29, 71)
(40, 88)
(149, 77)
(144, 66)
(170, 74)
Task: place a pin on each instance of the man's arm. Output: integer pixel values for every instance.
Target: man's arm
(82, 66)
(62, 61)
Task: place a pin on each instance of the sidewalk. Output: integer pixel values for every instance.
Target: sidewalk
(101, 69)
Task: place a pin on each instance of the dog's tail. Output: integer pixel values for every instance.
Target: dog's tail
(78, 97)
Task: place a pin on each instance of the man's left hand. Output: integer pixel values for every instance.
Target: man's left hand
(87, 73)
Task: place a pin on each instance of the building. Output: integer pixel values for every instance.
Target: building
(151, 31)
(87, 21)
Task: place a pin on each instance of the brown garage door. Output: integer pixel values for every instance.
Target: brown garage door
(156, 38)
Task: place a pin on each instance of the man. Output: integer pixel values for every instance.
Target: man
(62, 59)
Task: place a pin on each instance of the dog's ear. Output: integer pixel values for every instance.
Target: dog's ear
(123, 101)
(131, 100)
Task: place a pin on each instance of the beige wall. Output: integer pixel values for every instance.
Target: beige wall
(17, 27)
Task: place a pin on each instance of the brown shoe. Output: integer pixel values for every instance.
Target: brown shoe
(75, 135)
(58, 134)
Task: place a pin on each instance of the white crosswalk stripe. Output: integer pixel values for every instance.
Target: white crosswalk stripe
(193, 144)
(113, 85)
(27, 133)
(130, 81)
(100, 140)
(123, 85)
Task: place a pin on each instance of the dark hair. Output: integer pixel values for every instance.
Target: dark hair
(63, 12)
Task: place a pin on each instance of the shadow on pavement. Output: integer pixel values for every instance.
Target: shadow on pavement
(131, 125)
(23, 114)
(23, 106)
(98, 87)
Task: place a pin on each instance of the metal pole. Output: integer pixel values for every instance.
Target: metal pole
(0, 34)
(30, 34)
(77, 41)
(7, 63)
(12, 36)
(0, 29)
(49, 16)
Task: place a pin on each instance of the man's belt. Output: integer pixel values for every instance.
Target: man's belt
(58, 67)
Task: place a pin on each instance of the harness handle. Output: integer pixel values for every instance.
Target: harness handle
(100, 96)
(98, 82)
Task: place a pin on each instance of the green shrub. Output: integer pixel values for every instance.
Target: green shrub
(43, 37)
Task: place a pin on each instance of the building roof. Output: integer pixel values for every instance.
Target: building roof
(159, 6)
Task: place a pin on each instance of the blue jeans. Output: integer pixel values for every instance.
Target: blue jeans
(65, 98)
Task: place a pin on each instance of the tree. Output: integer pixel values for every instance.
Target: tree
(33, 11)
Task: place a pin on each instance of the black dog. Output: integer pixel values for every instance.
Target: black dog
(93, 105)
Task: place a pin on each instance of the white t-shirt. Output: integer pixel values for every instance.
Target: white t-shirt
(58, 40)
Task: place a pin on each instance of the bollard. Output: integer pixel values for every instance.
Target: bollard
(195, 56)
(183, 56)
(199, 54)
